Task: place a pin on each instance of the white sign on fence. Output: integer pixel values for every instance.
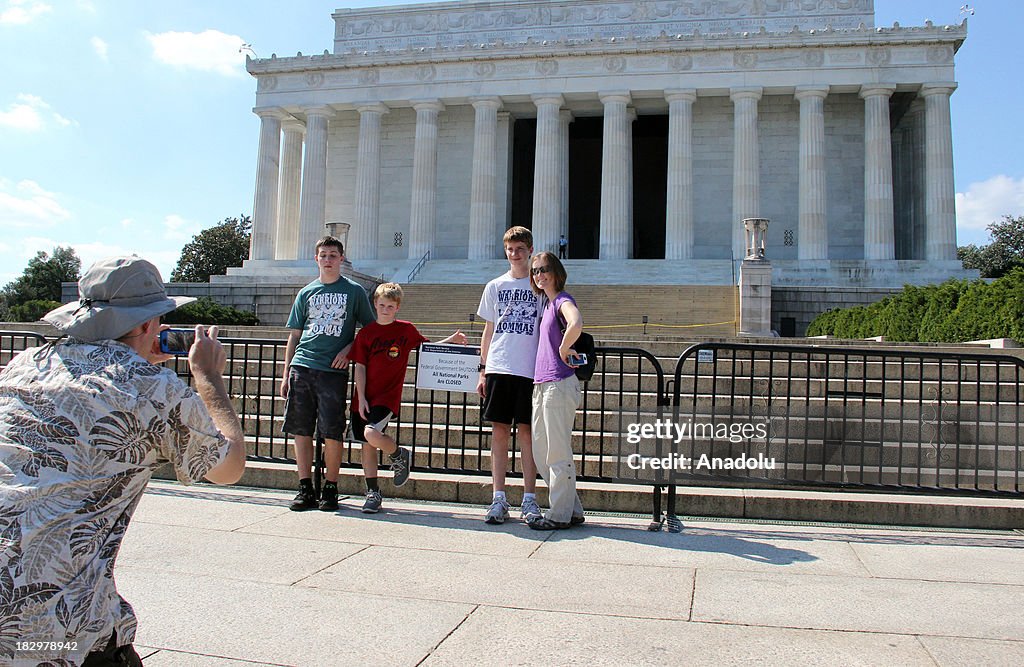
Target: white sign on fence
(448, 367)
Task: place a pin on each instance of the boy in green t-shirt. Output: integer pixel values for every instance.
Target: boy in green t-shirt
(315, 381)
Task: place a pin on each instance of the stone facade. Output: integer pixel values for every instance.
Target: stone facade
(432, 128)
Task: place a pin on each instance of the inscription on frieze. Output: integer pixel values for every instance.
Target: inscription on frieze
(468, 24)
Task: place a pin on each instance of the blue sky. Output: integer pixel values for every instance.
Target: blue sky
(126, 125)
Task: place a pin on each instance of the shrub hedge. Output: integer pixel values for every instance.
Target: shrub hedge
(951, 312)
(207, 311)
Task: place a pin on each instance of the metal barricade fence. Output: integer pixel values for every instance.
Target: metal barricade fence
(849, 417)
(832, 417)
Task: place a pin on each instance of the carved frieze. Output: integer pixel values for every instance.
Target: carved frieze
(547, 67)
(940, 54)
(745, 59)
(471, 23)
(879, 56)
(680, 63)
(484, 70)
(615, 64)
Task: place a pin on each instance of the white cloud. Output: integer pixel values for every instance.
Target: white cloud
(100, 47)
(209, 51)
(20, 12)
(31, 113)
(177, 228)
(27, 206)
(986, 202)
(15, 257)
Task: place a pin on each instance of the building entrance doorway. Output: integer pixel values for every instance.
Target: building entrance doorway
(650, 164)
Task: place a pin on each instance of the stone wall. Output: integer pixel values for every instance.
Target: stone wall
(805, 303)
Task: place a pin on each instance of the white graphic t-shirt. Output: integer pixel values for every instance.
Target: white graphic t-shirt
(513, 308)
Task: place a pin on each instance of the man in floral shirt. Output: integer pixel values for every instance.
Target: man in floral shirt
(83, 423)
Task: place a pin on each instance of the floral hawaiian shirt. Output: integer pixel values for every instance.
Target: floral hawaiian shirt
(82, 427)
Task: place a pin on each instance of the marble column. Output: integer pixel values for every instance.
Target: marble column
(547, 174)
(264, 208)
(423, 214)
(812, 225)
(564, 118)
(313, 200)
(940, 194)
(483, 203)
(363, 235)
(289, 189)
(879, 234)
(746, 174)
(679, 199)
(616, 178)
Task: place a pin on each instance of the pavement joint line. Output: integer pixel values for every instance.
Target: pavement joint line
(849, 631)
(211, 655)
(312, 574)
(450, 633)
(927, 652)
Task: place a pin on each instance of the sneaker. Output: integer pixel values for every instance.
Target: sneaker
(497, 512)
(401, 466)
(304, 500)
(529, 508)
(577, 519)
(544, 523)
(329, 499)
(373, 501)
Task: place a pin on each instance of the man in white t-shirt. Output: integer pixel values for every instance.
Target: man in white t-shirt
(508, 352)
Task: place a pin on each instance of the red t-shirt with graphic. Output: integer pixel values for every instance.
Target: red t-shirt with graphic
(384, 350)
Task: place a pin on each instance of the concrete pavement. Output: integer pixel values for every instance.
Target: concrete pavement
(228, 576)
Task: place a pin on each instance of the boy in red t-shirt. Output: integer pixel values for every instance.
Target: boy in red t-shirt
(381, 354)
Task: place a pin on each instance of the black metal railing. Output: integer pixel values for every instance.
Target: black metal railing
(13, 342)
(906, 419)
(833, 417)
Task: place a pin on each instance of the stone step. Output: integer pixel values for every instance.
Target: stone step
(774, 504)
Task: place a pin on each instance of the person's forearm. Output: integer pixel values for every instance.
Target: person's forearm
(210, 388)
(361, 379)
(289, 352)
(485, 341)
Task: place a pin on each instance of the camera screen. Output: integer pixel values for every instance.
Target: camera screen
(177, 341)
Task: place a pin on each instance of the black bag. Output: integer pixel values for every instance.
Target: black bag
(583, 345)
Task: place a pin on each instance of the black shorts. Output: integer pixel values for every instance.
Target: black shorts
(508, 400)
(316, 399)
(378, 418)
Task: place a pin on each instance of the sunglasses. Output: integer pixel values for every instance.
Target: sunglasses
(537, 270)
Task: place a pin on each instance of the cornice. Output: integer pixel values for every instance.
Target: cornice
(663, 44)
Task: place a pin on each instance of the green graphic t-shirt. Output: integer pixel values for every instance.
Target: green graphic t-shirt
(327, 315)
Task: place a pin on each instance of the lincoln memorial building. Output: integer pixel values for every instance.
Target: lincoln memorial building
(643, 131)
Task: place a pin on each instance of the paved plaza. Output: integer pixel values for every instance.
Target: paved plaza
(229, 576)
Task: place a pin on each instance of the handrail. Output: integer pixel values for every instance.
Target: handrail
(419, 265)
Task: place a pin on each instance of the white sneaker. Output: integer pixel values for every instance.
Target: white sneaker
(529, 508)
(497, 512)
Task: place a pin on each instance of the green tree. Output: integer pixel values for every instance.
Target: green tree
(41, 280)
(213, 250)
(1002, 255)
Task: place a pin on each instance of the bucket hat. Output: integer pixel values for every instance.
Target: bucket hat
(116, 295)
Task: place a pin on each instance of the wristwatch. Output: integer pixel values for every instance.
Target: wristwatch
(481, 367)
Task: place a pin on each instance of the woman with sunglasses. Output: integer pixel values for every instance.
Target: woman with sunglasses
(556, 394)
